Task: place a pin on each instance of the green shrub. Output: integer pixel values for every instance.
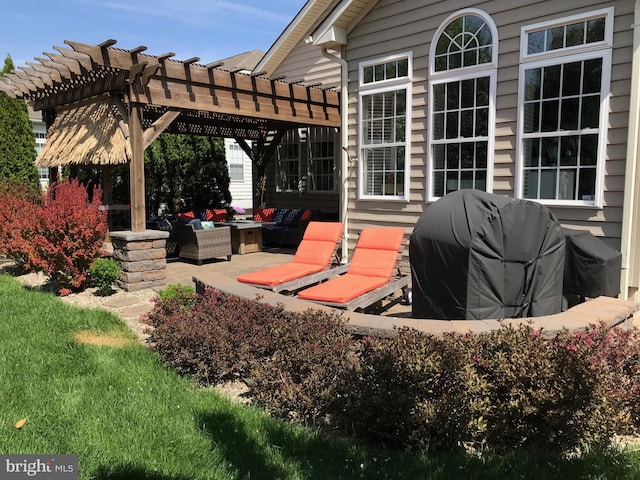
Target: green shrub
(176, 290)
(103, 272)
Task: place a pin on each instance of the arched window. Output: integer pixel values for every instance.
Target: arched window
(462, 103)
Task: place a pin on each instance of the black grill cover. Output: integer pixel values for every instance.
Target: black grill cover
(477, 255)
(592, 267)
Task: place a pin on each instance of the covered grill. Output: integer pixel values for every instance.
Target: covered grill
(477, 255)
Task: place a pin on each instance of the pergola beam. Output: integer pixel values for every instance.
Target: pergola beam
(159, 126)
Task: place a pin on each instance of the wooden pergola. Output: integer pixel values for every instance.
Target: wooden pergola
(148, 95)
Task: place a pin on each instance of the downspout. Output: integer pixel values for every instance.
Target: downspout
(344, 138)
(630, 179)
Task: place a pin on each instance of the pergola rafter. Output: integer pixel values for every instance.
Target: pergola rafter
(153, 94)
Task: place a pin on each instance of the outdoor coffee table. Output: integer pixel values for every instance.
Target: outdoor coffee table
(246, 235)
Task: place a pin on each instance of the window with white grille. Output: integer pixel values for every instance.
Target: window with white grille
(385, 99)
(321, 177)
(462, 103)
(564, 88)
(289, 162)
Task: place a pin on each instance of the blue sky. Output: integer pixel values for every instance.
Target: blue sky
(209, 29)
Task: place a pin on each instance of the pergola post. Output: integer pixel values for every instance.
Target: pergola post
(136, 169)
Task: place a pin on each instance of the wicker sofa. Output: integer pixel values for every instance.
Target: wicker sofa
(200, 245)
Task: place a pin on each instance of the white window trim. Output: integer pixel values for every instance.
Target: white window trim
(489, 69)
(379, 87)
(607, 13)
(231, 147)
(562, 56)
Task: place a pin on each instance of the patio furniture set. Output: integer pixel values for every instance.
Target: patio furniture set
(206, 235)
(315, 272)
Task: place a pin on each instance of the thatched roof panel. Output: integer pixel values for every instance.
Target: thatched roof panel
(86, 134)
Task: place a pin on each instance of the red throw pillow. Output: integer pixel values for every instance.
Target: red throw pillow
(217, 215)
(187, 216)
(264, 214)
(305, 216)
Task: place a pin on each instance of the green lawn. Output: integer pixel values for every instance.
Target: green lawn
(128, 417)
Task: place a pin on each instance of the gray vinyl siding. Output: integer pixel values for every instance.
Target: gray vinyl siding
(396, 26)
(307, 64)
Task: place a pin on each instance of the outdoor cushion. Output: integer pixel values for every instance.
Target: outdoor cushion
(207, 225)
(371, 267)
(197, 223)
(343, 289)
(186, 216)
(376, 252)
(319, 243)
(313, 255)
(263, 214)
(216, 215)
(280, 273)
(314, 252)
(279, 214)
(292, 218)
(373, 263)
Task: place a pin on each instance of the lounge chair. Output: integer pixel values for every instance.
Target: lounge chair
(369, 277)
(310, 263)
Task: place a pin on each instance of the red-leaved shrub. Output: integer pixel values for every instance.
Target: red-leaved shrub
(312, 351)
(69, 232)
(18, 217)
(613, 357)
(215, 338)
(512, 388)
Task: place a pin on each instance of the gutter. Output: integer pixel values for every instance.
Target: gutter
(631, 177)
(344, 138)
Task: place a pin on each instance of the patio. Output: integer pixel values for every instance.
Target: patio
(221, 274)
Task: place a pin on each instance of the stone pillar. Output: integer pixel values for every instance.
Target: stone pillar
(142, 257)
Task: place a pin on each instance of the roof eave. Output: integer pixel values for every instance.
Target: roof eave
(296, 31)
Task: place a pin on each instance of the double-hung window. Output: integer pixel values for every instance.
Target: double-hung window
(385, 98)
(289, 162)
(235, 161)
(321, 159)
(564, 88)
(463, 65)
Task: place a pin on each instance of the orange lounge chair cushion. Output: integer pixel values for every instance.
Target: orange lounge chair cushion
(324, 231)
(376, 252)
(313, 255)
(373, 263)
(343, 289)
(319, 243)
(279, 274)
